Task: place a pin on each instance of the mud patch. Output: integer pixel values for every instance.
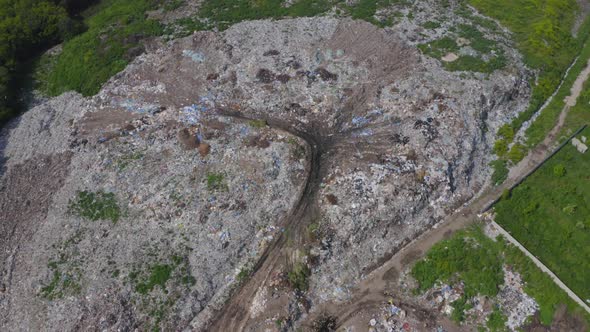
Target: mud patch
(25, 196)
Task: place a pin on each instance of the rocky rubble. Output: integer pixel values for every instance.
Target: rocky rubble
(401, 142)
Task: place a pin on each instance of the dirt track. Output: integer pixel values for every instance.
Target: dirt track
(235, 315)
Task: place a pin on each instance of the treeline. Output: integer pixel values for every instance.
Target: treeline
(27, 27)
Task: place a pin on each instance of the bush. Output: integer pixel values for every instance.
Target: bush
(559, 170)
(517, 153)
(500, 148)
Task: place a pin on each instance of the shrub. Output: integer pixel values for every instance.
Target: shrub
(501, 148)
(506, 132)
(243, 274)
(517, 153)
(324, 323)
(506, 194)
(559, 170)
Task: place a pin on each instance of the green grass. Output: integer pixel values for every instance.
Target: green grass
(475, 259)
(125, 160)
(175, 268)
(548, 118)
(221, 14)
(258, 123)
(542, 32)
(500, 173)
(299, 277)
(159, 275)
(441, 47)
(91, 58)
(579, 114)
(470, 256)
(95, 206)
(216, 181)
(496, 321)
(62, 282)
(549, 213)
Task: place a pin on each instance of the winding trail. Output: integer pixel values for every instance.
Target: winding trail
(235, 315)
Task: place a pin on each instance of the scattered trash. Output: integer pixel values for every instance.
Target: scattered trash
(582, 148)
(195, 56)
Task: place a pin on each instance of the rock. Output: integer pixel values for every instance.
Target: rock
(187, 140)
(204, 149)
(450, 57)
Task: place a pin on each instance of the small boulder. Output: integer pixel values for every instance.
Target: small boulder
(187, 140)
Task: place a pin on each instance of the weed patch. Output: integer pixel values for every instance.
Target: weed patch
(216, 182)
(95, 206)
(298, 277)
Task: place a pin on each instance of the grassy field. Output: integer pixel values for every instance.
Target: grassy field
(549, 213)
(579, 114)
(221, 14)
(113, 38)
(477, 260)
(547, 119)
(542, 30)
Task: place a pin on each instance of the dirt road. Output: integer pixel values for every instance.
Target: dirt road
(236, 315)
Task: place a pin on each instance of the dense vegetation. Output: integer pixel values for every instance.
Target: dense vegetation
(550, 215)
(99, 43)
(470, 257)
(476, 260)
(26, 28)
(113, 38)
(542, 30)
